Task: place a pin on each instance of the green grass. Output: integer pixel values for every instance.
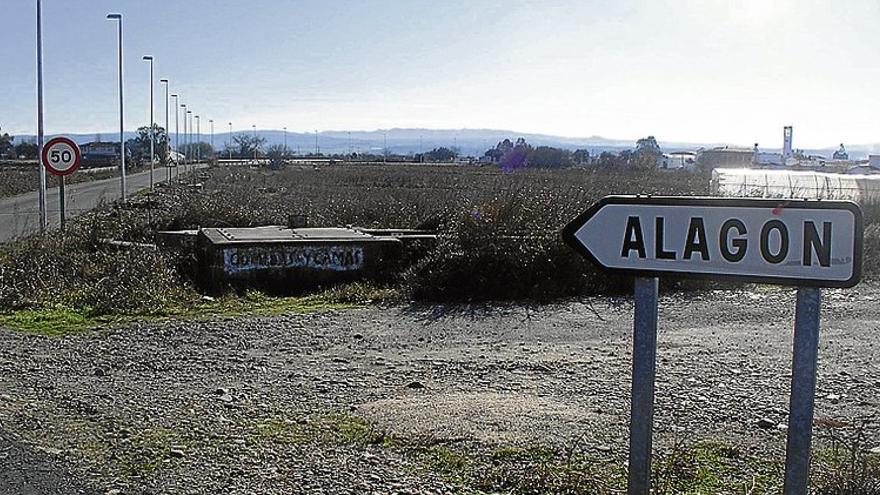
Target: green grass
(281, 431)
(58, 321)
(54, 321)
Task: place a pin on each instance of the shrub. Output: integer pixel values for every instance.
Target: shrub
(77, 270)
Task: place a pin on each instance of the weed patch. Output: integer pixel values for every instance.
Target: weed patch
(59, 321)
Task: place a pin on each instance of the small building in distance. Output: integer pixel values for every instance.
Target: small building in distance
(99, 154)
(679, 160)
(725, 157)
(872, 166)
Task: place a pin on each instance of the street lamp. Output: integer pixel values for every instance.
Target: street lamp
(229, 143)
(118, 17)
(149, 59)
(185, 149)
(198, 140)
(167, 144)
(189, 141)
(44, 218)
(176, 132)
(211, 121)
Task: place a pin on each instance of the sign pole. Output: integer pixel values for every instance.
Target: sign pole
(644, 365)
(61, 200)
(803, 387)
(60, 157)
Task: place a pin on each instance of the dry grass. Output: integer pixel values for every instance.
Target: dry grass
(499, 232)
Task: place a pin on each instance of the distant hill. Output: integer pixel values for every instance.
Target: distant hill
(470, 142)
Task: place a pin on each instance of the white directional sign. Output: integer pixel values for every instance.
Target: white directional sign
(791, 242)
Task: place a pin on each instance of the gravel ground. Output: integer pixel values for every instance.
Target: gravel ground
(301, 403)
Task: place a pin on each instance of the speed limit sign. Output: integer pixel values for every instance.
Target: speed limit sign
(61, 156)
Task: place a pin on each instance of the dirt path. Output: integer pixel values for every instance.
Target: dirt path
(303, 402)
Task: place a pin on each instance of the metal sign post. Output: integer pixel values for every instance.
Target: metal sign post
(803, 388)
(61, 200)
(807, 244)
(644, 367)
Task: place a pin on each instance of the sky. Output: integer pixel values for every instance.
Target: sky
(699, 71)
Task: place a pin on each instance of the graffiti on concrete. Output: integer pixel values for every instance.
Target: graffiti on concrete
(330, 258)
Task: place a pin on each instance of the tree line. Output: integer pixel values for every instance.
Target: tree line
(512, 155)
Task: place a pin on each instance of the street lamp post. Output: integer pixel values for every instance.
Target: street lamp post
(167, 144)
(118, 17)
(149, 58)
(229, 143)
(176, 132)
(211, 121)
(198, 140)
(189, 141)
(185, 148)
(44, 217)
(198, 144)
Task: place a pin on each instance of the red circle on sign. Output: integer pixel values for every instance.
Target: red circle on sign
(52, 160)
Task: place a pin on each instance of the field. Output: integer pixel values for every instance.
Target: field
(500, 230)
(17, 178)
(496, 362)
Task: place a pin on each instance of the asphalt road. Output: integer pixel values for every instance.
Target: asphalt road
(20, 215)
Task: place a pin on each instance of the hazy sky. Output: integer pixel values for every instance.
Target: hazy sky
(731, 71)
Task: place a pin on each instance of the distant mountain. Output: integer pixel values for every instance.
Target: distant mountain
(470, 142)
